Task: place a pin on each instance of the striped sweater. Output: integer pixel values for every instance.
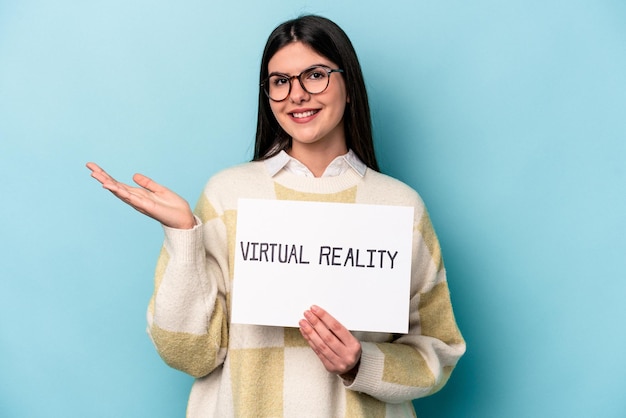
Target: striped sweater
(258, 371)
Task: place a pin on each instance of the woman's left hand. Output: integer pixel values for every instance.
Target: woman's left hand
(336, 347)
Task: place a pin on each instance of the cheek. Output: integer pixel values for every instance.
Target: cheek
(342, 107)
(279, 114)
(276, 109)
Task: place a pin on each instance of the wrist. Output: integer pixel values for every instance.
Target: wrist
(189, 224)
(349, 376)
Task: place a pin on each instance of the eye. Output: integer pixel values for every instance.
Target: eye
(278, 81)
(316, 74)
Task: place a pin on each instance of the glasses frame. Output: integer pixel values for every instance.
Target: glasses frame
(289, 78)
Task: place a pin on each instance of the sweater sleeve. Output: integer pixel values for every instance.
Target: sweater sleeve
(419, 363)
(187, 315)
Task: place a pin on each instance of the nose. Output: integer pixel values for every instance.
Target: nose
(297, 94)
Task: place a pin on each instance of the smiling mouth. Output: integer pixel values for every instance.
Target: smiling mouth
(306, 114)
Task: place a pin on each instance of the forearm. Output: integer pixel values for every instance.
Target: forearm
(187, 316)
(419, 363)
(396, 372)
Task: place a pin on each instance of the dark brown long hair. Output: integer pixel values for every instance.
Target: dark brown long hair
(330, 41)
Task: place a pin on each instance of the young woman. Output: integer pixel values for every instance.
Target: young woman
(313, 142)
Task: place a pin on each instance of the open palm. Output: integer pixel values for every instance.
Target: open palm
(150, 198)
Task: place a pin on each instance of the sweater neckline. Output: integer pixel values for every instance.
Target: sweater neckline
(349, 178)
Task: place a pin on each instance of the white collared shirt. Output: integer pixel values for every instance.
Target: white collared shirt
(283, 161)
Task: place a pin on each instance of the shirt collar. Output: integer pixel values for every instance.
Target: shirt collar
(338, 166)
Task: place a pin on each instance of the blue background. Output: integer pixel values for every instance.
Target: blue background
(508, 117)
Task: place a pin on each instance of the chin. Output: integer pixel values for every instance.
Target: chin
(307, 141)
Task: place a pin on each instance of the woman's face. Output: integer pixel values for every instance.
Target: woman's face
(314, 121)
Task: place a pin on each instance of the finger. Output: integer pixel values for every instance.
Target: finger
(329, 322)
(336, 363)
(148, 184)
(99, 174)
(93, 166)
(134, 196)
(316, 342)
(332, 340)
(96, 169)
(321, 338)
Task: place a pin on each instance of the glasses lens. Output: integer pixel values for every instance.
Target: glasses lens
(277, 87)
(315, 80)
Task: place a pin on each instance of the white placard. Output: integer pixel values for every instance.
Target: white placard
(353, 260)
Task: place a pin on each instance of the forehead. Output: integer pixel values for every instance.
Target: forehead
(295, 57)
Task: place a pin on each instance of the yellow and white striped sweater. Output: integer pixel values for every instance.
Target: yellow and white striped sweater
(258, 371)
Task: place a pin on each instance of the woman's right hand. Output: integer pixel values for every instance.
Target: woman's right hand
(150, 198)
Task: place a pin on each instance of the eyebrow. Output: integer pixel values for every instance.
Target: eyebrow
(307, 68)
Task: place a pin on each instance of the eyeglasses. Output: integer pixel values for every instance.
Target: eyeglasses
(314, 80)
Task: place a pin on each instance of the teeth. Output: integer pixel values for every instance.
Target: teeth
(304, 114)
